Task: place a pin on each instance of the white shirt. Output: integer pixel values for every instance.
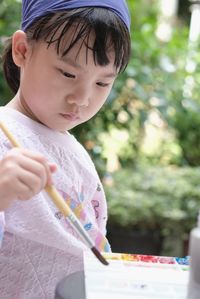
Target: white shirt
(39, 247)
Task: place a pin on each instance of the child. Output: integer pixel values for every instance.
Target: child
(61, 68)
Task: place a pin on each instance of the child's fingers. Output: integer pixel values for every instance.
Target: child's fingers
(50, 167)
(27, 185)
(32, 162)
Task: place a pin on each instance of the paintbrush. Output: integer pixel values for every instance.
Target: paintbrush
(63, 207)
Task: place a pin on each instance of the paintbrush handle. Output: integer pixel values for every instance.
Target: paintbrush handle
(56, 198)
(9, 135)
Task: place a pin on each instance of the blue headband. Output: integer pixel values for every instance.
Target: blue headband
(32, 9)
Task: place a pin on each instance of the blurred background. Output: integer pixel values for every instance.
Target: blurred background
(145, 142)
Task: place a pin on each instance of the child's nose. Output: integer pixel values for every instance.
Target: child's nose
(81, 97)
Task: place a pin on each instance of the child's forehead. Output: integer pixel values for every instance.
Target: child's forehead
(81, 59)
(82, 54)
(78, 43)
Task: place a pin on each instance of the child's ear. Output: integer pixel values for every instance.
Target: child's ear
(20, 47)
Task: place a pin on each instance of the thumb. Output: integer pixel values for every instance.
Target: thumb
(52, 167)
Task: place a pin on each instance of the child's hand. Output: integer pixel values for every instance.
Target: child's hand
(23, 173)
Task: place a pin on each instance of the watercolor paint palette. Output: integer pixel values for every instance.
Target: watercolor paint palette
(136, 276)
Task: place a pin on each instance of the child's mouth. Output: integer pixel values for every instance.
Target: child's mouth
(71, 116)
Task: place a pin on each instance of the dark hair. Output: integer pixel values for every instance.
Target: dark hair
(109, 30)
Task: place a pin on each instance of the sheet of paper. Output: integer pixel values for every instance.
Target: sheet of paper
(136, 276)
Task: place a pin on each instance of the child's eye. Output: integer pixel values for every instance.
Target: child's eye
(68, 75)
(101, 84)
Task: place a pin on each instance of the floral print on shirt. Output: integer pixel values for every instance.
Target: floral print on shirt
(77, 207)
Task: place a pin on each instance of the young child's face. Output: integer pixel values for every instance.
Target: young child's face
(63, 92)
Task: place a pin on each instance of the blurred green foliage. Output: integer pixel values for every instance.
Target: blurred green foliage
(165, 199)
(154, 189)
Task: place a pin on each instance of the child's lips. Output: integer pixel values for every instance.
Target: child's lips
(71, 116)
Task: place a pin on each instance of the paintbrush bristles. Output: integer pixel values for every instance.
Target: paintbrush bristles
(99, 256)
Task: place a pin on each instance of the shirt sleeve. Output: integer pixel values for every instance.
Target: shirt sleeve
(2, 226)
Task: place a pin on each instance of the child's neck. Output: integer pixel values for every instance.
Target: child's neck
(18, 103)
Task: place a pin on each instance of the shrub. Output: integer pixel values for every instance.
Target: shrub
(166, 199)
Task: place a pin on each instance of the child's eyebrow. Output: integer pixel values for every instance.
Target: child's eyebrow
(75, 64)
(70, 62)
(110, 75)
